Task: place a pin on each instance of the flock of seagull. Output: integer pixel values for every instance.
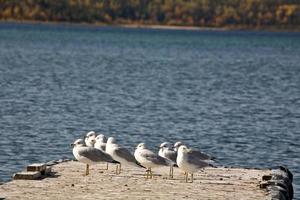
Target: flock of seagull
(95, 149)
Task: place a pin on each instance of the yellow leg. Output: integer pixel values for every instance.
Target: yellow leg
(87, 170)
(151, 173)
(192, 177)
(172, 170)
(119, 169)
(147, 174)
(186, 177)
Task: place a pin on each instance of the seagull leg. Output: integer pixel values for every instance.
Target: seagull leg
(151, 173)
(192, 177)
(147, 174)
(172, 170)
(107, 166)
(117, 167)
(186, 177)
(87, 170)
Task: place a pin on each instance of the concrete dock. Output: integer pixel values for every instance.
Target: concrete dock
(66, 181)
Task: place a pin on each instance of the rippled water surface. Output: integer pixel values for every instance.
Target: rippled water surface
(233, 94)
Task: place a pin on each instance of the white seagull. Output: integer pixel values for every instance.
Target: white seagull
(189, 161)
(149, 160)
(89, 155)
(120, 154)
(165, 151)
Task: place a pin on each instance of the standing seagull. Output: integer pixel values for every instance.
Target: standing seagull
(165, 151)
(89, 155)
(89, 138)
(149, 160)
(120, 154)
(189, 162)
(101, 144)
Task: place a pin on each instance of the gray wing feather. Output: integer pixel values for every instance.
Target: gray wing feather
(95, 155)
(124, 153)
(156, 159)
(171, 155)
(200, 155)
(192, 159)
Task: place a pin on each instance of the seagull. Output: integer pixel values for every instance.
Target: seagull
(89, 155)
(101, 144)
(89, 138)
(165, 151)
(148, 159)
(120, 154)
(190, 162)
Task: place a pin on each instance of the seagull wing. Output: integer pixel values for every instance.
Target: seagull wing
(94, 154)
(171, 155)
(156, 159)
(200, 155)
(194, 160)
(125, 154)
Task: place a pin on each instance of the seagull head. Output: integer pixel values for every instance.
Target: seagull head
(90, 139)
(111, 140)
(101, 138)
(141, 146)
(90, 134)
(177, 145)
(78, 142)
(164, 145)
(183, 149)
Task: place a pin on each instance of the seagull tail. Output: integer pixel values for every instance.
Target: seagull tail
(114, 162)
(212, 165)
(213, 158)
(138, 164)
(169, 163)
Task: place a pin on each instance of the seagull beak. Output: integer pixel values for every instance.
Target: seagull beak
(72, 145)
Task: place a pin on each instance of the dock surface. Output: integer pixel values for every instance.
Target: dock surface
(68, 182)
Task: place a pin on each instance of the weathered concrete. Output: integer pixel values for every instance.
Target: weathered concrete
(68, 182)
(31, 175)
(36, 167)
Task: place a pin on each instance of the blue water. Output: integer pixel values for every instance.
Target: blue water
(233, 94)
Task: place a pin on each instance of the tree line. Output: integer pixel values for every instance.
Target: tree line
(203, 13)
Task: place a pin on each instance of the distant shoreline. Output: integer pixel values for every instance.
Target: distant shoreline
(157, 26)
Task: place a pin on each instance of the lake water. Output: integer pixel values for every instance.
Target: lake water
(233, 94)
